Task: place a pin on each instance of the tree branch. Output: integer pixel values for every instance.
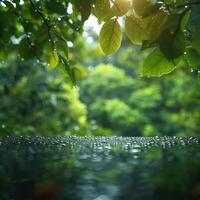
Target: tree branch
(45, 22)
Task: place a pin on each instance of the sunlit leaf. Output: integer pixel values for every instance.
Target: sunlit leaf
(54, 59)
(154, 24)
(120, 7)
(110, 37)
(101, 8)
(141, 6)
(156, 64)
(135, 30)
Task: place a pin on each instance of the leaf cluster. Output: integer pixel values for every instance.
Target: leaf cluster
(165, 27)
(46, 30)
(42, 30)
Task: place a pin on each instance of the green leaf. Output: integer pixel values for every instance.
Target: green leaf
(156, 64)
(120, 7)
(185, 20)
(54, 59)
(25, 50)
(134, 30)
(110, 37)
(53, 7)
(172, 44)
(193, 57)
(79, 72)
(3, 55)
(172, 21)
(85, 8)
(140, 7)
(101, 8)
(154, 24)
(196, 40)
(61, 47)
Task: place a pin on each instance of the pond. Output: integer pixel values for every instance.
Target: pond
(99, 168)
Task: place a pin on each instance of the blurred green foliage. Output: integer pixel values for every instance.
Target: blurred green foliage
(110, 100)
(36, 100)
(141, 106)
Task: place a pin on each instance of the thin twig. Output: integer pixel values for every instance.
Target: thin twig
(45, 22)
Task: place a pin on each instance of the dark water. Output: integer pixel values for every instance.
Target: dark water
(99, 168)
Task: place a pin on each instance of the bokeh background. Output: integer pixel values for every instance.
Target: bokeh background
(110, 98)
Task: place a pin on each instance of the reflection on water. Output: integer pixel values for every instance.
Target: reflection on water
(99, 168)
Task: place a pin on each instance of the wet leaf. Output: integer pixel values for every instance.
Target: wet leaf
(140, 7)
(154, 24)
(172, 44)
(120, 7)
(193, 57)
(101, 8)
(156, 64)
(110, 37)
(62, 48)
(54, 60)
(135, 30)
(185, 20)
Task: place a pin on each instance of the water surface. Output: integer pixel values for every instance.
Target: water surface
(99, 168)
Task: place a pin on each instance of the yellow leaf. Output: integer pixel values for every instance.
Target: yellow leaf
(110, 37)
(101, 8)
(54, 59)
(120, 7)
(140, 6)
(135, 30)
